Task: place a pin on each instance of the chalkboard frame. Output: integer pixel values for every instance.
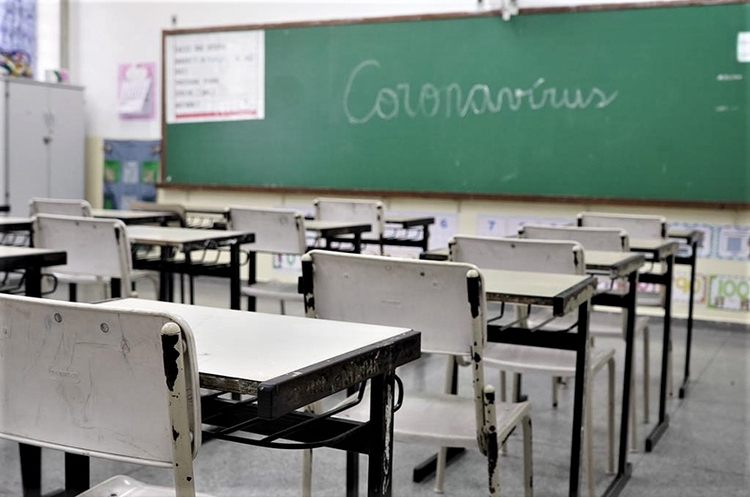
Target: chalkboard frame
(572, 199)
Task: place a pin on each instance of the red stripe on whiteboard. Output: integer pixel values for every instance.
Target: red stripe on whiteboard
(218, 114)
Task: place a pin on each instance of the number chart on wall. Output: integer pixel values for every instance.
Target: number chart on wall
(548, 104)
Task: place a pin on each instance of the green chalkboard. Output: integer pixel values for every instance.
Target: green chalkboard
(618, 104)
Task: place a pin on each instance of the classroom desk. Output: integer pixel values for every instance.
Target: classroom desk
(32, 261)
(333, 231)
(8, 224)
(657, 251)
(187, 240)
(287, 363)
(615, 265)
(421, 223)
(136, 217)
(693, 239)
(563, 293)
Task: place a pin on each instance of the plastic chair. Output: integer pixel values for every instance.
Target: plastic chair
(601, 324)
(354, 211)
(98, 249)
(445, 302)
(177, 209)
(562, 257)
(58, 206)
(277, 231)
(123, 392)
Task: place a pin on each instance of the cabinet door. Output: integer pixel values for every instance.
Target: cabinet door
(67, 145)
(29, 131)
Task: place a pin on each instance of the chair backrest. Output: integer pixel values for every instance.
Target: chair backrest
(95, 247)
(60, 207)
(352, 210)
(637, 225)
(278, 231)
(430, 297)
(609, 239)
(99, 381)
(515, 254)
(177, 209)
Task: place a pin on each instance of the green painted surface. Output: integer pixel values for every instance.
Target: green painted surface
(645, 104)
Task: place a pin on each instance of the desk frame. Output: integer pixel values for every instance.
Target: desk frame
(693, 238)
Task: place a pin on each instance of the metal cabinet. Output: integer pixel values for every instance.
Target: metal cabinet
(43, 142)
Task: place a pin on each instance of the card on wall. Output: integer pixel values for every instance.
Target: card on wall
(499, 225)
(681, 287)
(136, 90)
(733, 243)
(729, 292)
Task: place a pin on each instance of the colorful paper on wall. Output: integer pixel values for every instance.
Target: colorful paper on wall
(131, 168)
(729, 292)
(681, 287)
(733, 243)
(136, 89)
(18, 38)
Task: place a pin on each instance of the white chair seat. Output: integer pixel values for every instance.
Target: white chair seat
(456, 425)
(272, 289)
(125, 486)
(522, 359)
(650, 299)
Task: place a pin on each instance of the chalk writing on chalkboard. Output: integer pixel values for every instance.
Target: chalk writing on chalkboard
(452, 101)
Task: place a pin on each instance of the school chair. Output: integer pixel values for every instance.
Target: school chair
(445, 302)
(98, 250)
(59, 206)
(602, 324)
(641, 226)
(354, 211)
(277, 231)
(123, 392)
(513, 254)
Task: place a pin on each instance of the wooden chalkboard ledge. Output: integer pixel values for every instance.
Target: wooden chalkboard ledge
(692, 204)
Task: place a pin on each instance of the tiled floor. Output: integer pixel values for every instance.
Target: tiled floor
(705, 452)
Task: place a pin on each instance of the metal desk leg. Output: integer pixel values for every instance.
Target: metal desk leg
(164, 276)
(357, 243)
(77, 471)
(691, 304)
(379, 471)
(251, 278)
(425, 238)
(582, 360)
(31, 469)
(30, 455)
(234, 283)
(624, 468)
(663, 423)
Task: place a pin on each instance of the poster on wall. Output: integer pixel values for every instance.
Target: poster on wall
(17, 38)
(681, 287)
(733, 243)
(215, 76)
(136, 87)
(131, 170)
(729, 292)
(705, 250)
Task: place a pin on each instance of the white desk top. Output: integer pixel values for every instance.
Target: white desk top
(248, 348)
(562, 292)
(18, 257)
(126, 215)
(342, 226)
(176, 237)
(613, 264)
(658, 247)
(15, 223)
